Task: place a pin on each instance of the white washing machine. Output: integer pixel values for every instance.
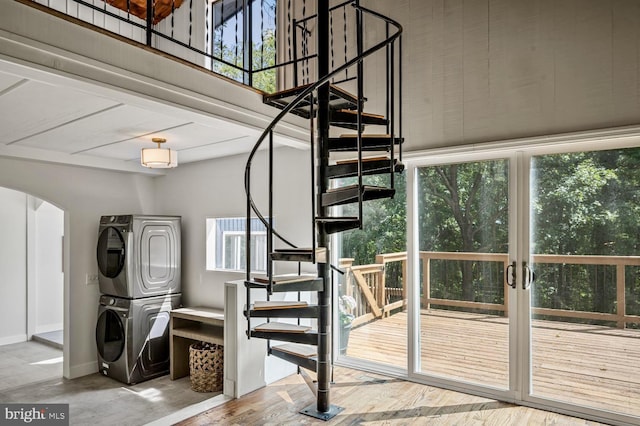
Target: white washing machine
(132, 336)
(139, 256)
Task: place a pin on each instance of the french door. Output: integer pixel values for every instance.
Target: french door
(526, 273)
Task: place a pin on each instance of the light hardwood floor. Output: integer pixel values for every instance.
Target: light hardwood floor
(587, 365)
(374, 400)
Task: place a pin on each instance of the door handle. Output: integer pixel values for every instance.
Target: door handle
(528, 276)
(510, 274)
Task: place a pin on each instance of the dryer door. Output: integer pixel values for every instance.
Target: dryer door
(110, 336)
(111, 252)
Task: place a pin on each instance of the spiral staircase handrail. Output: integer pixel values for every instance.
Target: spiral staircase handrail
(301, 97)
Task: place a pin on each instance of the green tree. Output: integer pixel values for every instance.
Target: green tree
(384, 226)
(263, 56)
(464, 208)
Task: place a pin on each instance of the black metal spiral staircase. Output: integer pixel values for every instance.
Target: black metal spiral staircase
(325, 105)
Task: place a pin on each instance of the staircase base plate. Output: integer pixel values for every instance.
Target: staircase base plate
(312, 411)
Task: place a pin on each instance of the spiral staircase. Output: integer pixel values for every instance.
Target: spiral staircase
(325, 104)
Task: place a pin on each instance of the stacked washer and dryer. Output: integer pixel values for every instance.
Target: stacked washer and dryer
(139, 276)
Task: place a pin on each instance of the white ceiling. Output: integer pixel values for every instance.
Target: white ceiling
(92, 126)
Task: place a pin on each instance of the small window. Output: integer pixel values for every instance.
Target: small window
(226, 247)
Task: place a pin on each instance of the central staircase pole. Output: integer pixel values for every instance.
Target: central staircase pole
(323, 409)
(324, 271)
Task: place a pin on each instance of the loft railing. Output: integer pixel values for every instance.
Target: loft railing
(240, 39)
(364, 281)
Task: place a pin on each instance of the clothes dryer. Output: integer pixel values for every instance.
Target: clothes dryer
(139, 256)
(132, 336)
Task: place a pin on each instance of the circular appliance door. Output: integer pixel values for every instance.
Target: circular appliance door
(109, 336)
(111, 252)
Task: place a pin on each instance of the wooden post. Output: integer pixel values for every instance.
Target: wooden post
(346, 264)
(380, 281)
(620, 294)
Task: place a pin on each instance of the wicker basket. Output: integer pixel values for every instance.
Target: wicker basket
(205, 367)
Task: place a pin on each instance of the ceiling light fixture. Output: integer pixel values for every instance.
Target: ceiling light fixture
(158, 158)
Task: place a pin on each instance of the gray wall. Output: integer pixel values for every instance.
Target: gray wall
(13, 267)
(488, 70)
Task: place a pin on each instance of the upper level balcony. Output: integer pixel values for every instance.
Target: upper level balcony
(193, 72)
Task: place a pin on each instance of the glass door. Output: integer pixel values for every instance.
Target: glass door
(462, 223)
(584, 249)
(371, 315)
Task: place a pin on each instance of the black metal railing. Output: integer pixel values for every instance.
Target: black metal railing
(239, 39)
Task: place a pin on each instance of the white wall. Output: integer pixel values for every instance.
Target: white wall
(216, 189)
(84, 194)
(13, 266)
(49, 230)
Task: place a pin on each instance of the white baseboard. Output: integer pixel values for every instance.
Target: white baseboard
(9, 340)
(85, 369)
(48, 328)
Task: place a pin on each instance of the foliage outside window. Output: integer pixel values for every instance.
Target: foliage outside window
(464, 208)
(586, 203)
(230, 22)
(384, 228)
(226, 244)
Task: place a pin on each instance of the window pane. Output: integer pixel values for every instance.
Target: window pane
(225, 244)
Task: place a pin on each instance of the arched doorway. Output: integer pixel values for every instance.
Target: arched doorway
(32, 288)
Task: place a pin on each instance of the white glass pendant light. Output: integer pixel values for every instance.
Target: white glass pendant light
(158, 158)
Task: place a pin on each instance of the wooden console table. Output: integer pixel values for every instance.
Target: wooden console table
(190, 325)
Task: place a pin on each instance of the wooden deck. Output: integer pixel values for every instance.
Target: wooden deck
(581, 364)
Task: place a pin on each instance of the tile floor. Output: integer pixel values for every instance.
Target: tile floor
(32, 372)
(52, 338)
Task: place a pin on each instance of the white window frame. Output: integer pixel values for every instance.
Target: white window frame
(216, 240)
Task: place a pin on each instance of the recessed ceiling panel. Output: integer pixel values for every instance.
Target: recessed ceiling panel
(198, 134)
(36, 107)
(110, 126)
(222, 149)
(186, 138)
(7, 80)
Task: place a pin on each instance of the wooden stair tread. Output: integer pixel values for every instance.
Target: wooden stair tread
(342, 92)
(368, 135)
(292, 90)
(281, 327)
(299, 250)
(274, 304)
(335, 91)
(364, 114)
(300, 254)
(355, 186)
(364, 160)
(304, 351)
(336, 219)
(284, 278)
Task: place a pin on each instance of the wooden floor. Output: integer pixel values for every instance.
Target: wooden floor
(374, 400)
(581, 364)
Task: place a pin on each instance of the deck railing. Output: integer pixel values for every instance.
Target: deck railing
(367, 284)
